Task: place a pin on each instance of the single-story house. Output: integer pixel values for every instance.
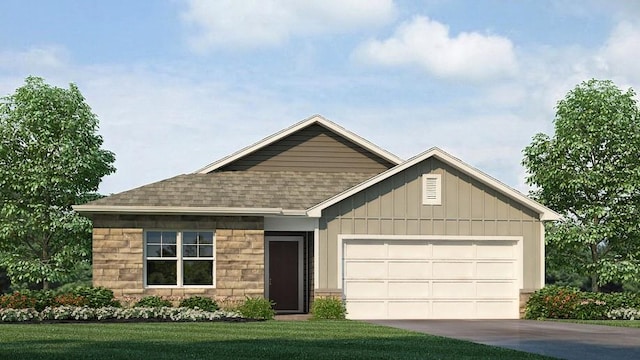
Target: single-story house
(316, 210)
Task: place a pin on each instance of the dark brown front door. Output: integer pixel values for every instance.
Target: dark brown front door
(284, 275)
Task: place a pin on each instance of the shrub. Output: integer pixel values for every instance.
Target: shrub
(70, 300)
(624, 314)
(18, 315)
(257, 308)
(96, 296)
(558, 302)
(110, 313)
(199, 302)
(328, 308)
(152, 302)
(17, 300)
(38, 300)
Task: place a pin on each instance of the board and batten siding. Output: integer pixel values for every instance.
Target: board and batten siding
(314, 148)
(394, 207)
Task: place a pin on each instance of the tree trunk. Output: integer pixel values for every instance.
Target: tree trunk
(594, 275)
(594, 283)
(45, 259)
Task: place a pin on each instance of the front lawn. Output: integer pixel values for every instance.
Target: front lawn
(621, 323)
(219, 340)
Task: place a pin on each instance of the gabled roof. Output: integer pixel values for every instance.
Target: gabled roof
(231, 192)
(316, 119)
(544, 212)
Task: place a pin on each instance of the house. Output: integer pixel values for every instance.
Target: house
(315, 210)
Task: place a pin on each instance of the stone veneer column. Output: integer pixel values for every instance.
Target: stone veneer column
(239, 263)
(117, 260)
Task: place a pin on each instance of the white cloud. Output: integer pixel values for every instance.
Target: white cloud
(620, 54)
(49, 57)
(428, 44)
(262, 23)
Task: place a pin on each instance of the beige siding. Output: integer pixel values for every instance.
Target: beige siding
(313, 148)
(394, 207)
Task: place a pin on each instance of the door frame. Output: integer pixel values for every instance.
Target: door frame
(293, 237)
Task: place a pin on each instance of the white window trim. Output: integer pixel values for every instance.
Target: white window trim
(437, 198)
(179, 260)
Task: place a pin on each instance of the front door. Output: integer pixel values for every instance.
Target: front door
(285, 272)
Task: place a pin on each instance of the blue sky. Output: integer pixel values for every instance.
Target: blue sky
(178, 84)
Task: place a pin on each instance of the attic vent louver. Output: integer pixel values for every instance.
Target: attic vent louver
(431, 189)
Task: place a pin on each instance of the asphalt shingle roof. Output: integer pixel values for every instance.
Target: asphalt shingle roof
(289, 190)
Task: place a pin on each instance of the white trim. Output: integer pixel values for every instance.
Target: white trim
(518, 239)
(544, 212)
(169, 210)
(315, 119)
(300, 240)
(543, 268)
(316, 258)
(179, 260)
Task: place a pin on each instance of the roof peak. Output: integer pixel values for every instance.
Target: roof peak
(314, 119)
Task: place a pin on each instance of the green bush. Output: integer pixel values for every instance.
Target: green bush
(152, 302)
(17, 300)
(562, 302)
(555, 302)
(328, 308)
(43, 298)
(257, 308)
(96, 296)
(70, 300)
(202, 303)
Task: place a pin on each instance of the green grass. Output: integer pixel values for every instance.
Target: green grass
(620, 323)
(263, 340)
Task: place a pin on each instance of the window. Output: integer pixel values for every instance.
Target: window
(431, 189)
(179, 258)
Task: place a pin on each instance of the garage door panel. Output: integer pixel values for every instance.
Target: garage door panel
(495, 289)
(453, 290)
(366, 309)
(409, 289)
(496, 250)
(409, 250)
(409, 309)
(366, 289)
(453, 309)
(496, 309)
(365, 270)
(453, 270)
(365, 249)
(495, 270)
(409, 269)
(453, 250)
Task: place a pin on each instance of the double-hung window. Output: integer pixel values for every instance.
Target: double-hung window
(179, 258)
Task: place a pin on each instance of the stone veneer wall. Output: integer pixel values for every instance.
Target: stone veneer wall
(525, 295)
(118, 260)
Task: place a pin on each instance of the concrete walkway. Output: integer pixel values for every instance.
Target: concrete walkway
(558, 339)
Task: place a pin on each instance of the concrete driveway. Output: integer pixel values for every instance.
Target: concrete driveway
(557, 339)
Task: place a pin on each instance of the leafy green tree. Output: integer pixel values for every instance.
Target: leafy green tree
(590, 172)
(50, 159)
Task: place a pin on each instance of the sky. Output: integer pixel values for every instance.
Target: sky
(178, 84)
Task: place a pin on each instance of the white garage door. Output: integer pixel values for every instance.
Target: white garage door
(431, 279)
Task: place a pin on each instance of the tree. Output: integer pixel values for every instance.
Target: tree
(590, 172)
(50, 159)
